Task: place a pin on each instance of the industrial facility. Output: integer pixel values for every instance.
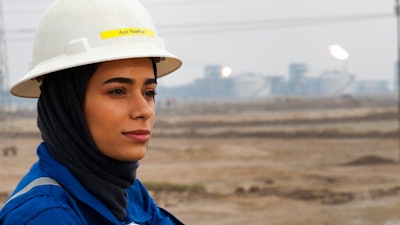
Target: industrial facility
(217, 85)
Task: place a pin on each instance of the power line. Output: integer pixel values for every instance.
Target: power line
(268, 24)
(237, 26)
(285, 21)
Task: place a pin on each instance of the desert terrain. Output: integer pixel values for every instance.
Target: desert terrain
(287, 161)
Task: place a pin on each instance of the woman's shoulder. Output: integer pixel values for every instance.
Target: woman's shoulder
(142, 207)
(44, 204)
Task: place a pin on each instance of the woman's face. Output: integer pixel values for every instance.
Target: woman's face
(119, 107)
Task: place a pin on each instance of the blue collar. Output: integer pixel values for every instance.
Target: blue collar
(68, 181)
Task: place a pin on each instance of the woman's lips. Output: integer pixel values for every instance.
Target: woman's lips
(138, 135)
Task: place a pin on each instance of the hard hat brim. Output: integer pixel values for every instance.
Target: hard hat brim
(29, 86)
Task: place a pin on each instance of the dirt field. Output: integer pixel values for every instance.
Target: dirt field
(323, 166)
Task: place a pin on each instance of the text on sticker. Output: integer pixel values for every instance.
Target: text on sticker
(122, 32)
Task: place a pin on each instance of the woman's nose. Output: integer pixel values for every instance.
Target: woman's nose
(141, 108)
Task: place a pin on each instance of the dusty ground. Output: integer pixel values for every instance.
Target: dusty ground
(280, 181)
(265, 180)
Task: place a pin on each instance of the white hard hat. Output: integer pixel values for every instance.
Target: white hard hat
(79, 32)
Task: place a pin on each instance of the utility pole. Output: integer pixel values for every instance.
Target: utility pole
(397, 11)
(5, 100)
(3, 61)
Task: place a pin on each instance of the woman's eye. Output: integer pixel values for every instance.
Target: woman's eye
(150, 93)
(117, 91)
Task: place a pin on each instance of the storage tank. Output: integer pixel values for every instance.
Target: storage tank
(252, 86)
(334, 83)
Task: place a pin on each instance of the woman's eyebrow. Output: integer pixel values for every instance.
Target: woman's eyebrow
(120, 80)
(150, 81)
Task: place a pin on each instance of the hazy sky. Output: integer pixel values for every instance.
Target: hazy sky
(250, 36)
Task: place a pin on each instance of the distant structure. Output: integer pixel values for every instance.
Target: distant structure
(6, 145)
(250, 86)
(329, 83)
(214, 86)
(297, 78)
(3, 61)
(334, 83)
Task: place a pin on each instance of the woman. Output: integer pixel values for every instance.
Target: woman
(95, 70)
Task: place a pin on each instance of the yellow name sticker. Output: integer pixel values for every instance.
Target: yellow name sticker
(124, 32)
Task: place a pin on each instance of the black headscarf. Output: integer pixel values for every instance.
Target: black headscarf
(64, 129)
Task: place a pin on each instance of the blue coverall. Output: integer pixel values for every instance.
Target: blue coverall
(70, 203)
